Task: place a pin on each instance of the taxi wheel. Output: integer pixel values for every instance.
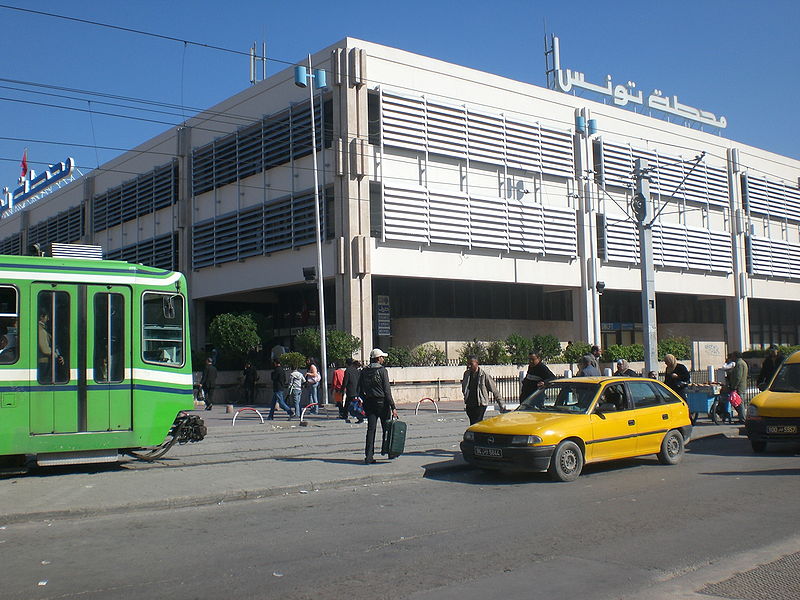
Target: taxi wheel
(567, 462)
(671, 448)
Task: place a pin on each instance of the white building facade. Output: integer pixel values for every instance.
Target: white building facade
(456, 205)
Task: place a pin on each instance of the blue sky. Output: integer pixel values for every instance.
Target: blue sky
(732, 57)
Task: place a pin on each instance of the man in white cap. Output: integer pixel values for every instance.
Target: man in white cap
(374, 391)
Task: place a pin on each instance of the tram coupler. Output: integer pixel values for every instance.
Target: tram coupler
(188, 428)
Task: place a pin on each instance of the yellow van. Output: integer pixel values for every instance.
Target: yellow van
(774, 415)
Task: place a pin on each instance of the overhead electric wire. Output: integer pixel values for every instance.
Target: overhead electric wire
(237, 52)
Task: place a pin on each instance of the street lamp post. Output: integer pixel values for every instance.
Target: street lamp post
(307, 77)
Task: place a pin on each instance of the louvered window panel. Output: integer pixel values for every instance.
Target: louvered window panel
(704, 184)
(618, 165)
(278, 225)
(526, 228)
(670, 246)
(403, 121)
(557, 153)
(66, 227)
(251, 232)
(622, 240)
(12, 245)
(447, 130)
(202, 169)
(203, 245)
(523, 145)
(486, 137)
(775, 259)
(448, 218)
(277, 140)
(160, 252)
(698, 249)
(303, 214)
(250, 151)
(761, 256)
(226, 237)
(267, 143)
(405, 214)
(488, 223)
(560, 231)
(773, 198)
(721, 252)
(143, 195)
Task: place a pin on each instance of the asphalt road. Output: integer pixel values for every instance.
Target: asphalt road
(627, 529)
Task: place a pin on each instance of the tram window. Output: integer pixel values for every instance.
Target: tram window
(109, 338)
(162, 329)
(53, 337)
(9, 323)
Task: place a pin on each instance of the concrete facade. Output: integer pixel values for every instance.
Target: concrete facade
(434, 171)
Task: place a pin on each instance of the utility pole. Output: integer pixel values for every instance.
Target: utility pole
(643, 210)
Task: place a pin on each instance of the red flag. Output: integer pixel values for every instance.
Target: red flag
(24, 163)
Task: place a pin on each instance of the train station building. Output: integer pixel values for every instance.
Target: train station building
(455, 204)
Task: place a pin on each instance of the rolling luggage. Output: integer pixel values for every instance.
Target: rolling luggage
(394, 441)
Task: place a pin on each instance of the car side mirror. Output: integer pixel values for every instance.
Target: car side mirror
(603, 408)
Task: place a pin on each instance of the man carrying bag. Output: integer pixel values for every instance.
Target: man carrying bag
(374, 391)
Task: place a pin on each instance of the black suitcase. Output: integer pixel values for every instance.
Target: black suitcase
(394, 442)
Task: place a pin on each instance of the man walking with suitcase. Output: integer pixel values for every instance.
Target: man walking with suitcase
(374, 391)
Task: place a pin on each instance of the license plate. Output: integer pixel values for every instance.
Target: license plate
(494, 452)
(782, 429)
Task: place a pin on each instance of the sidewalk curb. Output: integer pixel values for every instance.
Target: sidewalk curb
(225, 497)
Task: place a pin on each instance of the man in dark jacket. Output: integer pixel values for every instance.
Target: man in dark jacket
(374, 391)
(538, 374)
(768, 367)
(249, 378)
(279, 384)
(208, 382)
(476, 385)
(350, 385)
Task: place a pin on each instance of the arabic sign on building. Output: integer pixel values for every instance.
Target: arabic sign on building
(32, 186)
(567, 80)
(384, 316)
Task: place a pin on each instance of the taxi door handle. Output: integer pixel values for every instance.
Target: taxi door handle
(665, 417)
(631, 422)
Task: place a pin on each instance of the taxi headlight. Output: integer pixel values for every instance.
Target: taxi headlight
(525, 440)
(469, 436)
(752, 411)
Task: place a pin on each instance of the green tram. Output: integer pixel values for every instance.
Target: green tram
(94, 360)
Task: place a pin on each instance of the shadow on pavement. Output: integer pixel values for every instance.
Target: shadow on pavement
(719, 445)
(760, 472)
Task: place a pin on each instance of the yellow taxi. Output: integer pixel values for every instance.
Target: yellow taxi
(774, 414)
(571, 422)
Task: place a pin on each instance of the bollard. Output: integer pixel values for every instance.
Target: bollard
(229, 408)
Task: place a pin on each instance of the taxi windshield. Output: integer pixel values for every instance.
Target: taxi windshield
(566, 397)
(787, 379)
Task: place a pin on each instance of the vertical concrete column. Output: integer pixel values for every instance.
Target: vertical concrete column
(351, 195)
(586, 301)
(88, 210)
(182, 224)
(737, 309)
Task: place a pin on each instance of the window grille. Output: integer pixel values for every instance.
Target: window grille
(280, 224)
(142, 195)
(423, 124)
(160, 252)
(12, 245)
(269, 142)
(66, 227)
(771, 198)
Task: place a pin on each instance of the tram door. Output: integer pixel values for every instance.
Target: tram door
(109, 391)
(53, 405)
(82, 348)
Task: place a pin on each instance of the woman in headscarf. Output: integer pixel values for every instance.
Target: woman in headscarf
(676, 376)
(624, 370)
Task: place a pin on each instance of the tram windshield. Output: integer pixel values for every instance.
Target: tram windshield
(162, 329)
(9, 323)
